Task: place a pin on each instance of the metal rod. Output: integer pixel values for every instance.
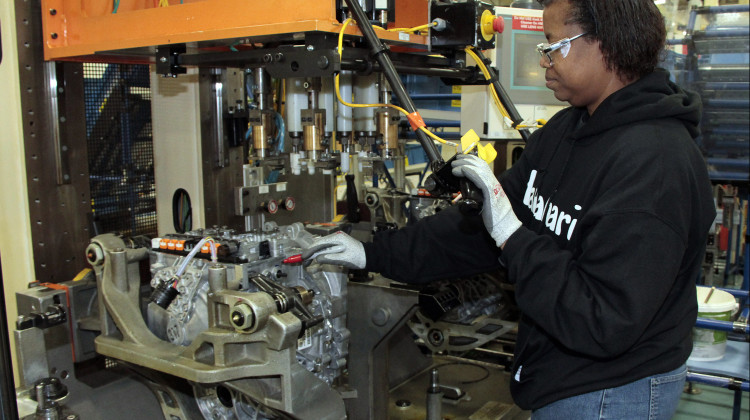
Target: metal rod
(494, 352)
(720, 381)
(728, 176)
(51, 87)
(722, 33)
(728, 326)
(220, 152)
(380, 52)
(727, 162)
(405, 68)
(731, 8)
(262, 82)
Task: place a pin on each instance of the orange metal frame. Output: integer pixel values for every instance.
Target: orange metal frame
(75, 29)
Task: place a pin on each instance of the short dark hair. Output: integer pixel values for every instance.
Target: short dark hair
(631, 32)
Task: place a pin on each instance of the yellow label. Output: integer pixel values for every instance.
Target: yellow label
(470, 140)
(82, 274)
(457, 89)
(456, 103)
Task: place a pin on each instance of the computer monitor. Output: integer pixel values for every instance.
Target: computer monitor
(517, 60)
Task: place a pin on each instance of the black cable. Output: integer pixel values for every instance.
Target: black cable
(473, 381)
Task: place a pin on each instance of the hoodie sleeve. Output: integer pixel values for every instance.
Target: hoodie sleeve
(600, 298)
(448, 244)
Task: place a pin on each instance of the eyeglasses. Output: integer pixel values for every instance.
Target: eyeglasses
(563, 45)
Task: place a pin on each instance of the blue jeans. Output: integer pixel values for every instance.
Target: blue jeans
(652, 398)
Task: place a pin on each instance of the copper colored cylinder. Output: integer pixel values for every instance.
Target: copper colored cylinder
(313, 133)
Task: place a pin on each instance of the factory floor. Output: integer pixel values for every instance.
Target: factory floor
(712, 403)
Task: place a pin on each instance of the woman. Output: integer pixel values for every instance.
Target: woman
(602, 224)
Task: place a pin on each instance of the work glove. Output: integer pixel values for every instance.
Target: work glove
(497, 212)
(337, 248)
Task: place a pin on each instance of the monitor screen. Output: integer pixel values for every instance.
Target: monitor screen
(526, 73)
(517, 60)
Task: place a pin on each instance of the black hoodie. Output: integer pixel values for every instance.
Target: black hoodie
(615, 208)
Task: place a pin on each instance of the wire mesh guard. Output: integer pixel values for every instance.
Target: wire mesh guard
(120, 148)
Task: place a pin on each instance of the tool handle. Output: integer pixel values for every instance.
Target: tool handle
(471, 197)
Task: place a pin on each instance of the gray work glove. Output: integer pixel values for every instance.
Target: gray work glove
(337, 248)
(497, 212)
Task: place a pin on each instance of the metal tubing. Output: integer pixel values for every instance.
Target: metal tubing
(722, 33)
(51, 88)
(442, 123)
(727, 85)
(380, 51)
(217, 278)
(217, 104)
(728, 176)
(434, 96)
(719, 381)
(730, 131)
(444, 135)
(734, 163)
(731, 8)
(449, 73)
(434, 404)
(713, 324)
(728, 103)
(262, 88)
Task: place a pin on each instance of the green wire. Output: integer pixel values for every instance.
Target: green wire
(115, 5)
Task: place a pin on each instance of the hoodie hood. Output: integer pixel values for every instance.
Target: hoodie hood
(653, 96)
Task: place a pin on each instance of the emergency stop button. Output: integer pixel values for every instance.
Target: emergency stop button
(490, 24)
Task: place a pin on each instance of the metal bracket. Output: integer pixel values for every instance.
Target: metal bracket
(168, 60)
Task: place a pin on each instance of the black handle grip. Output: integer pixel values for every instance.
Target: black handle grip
(471, 197)
(442, 181)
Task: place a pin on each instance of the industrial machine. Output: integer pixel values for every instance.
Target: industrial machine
(224, 321)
